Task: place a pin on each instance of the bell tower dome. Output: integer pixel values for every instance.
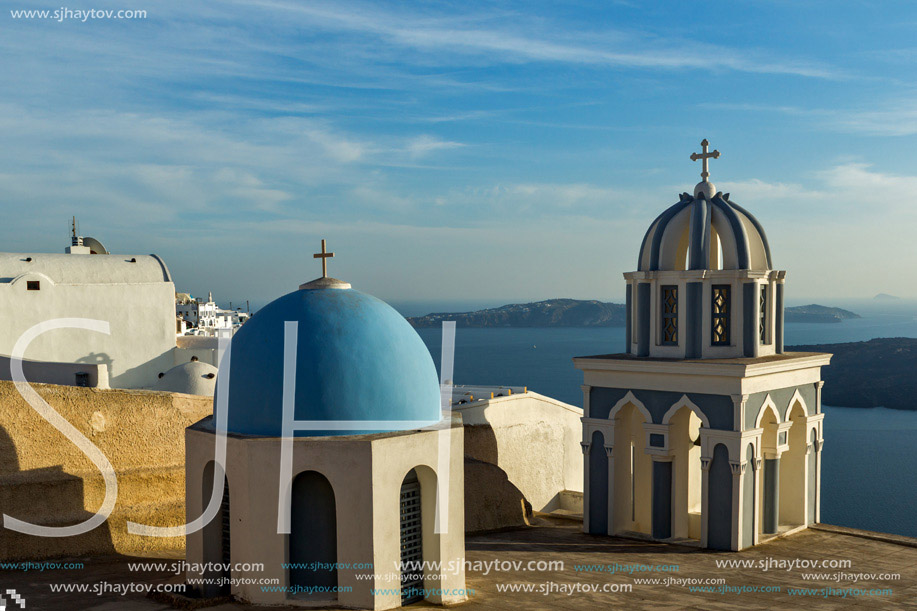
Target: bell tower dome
(705, 286)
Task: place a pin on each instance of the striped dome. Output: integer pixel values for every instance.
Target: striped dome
(694, 232)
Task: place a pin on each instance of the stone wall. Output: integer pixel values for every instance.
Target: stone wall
(45, 479)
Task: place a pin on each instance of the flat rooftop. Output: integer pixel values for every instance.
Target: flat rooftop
(758, 579)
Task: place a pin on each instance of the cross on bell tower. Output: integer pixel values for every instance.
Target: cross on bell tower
(324, 256)
(714, 154)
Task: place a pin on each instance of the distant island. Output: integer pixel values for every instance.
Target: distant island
(816, 313)
(877, 373)
(549, 313)
(587, 313)
(886, 297)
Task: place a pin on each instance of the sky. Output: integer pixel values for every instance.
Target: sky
(459, 151)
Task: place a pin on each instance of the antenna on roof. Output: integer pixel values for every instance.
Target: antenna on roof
(75, 239)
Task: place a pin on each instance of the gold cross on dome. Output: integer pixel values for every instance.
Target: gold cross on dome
(324, 256)
(704, 157)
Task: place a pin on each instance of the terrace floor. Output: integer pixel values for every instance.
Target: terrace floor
(586, 560)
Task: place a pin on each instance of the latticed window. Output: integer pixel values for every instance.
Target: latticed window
(670, 315)
(720, 322)
(762, 319)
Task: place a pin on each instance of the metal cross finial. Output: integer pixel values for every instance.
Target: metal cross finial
(324, 255)
(704, 157)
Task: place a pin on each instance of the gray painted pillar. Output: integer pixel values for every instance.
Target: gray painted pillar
(662, 499)
(694, 319)
(778, 319)
(749, 320)
(643, 319)
(628, 324)
(771, 494)
(598, 485)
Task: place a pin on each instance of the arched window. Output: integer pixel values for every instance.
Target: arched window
(669, 315)
(720, 309)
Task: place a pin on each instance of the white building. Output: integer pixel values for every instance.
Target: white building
(132, 294)
(206, 316)
(704, 428)
(345, 505)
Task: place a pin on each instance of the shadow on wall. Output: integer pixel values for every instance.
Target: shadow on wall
(47, 497)
(491, 500)
(143, 375)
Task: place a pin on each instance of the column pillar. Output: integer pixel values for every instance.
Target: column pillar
(662, 497)
(818, 446)
(758, 466)
(778, 317)
(738, 508)
(587, 392)
(694, 320)
(750, 314)
(610, 452)
(705, 490)
(585, 445)
(771, 494)
(643, 319)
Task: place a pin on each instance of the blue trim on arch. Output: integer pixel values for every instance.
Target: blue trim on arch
(719, 409)
(754, 221)
(738, 229)
(660, 230)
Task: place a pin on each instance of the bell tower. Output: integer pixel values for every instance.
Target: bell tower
(704, 428)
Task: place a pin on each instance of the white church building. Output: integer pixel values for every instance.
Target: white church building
(339, 466)
(704, 428)
(132, 297)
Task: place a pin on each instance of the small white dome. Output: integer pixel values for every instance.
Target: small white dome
(193, 378)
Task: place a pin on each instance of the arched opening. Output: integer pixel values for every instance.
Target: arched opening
(716, 250)
(411, 527)
(419, 542)
(768, 488)
(313, 538)
(684, 442)
(633, 473)
(598, 485)
(793, 470)
(216, 536)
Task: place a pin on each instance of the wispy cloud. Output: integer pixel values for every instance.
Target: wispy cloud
(882, 118)
(476, 35)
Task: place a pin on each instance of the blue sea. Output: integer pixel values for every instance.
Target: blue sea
(869, 468)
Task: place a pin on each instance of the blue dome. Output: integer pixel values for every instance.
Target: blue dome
(357, 359)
